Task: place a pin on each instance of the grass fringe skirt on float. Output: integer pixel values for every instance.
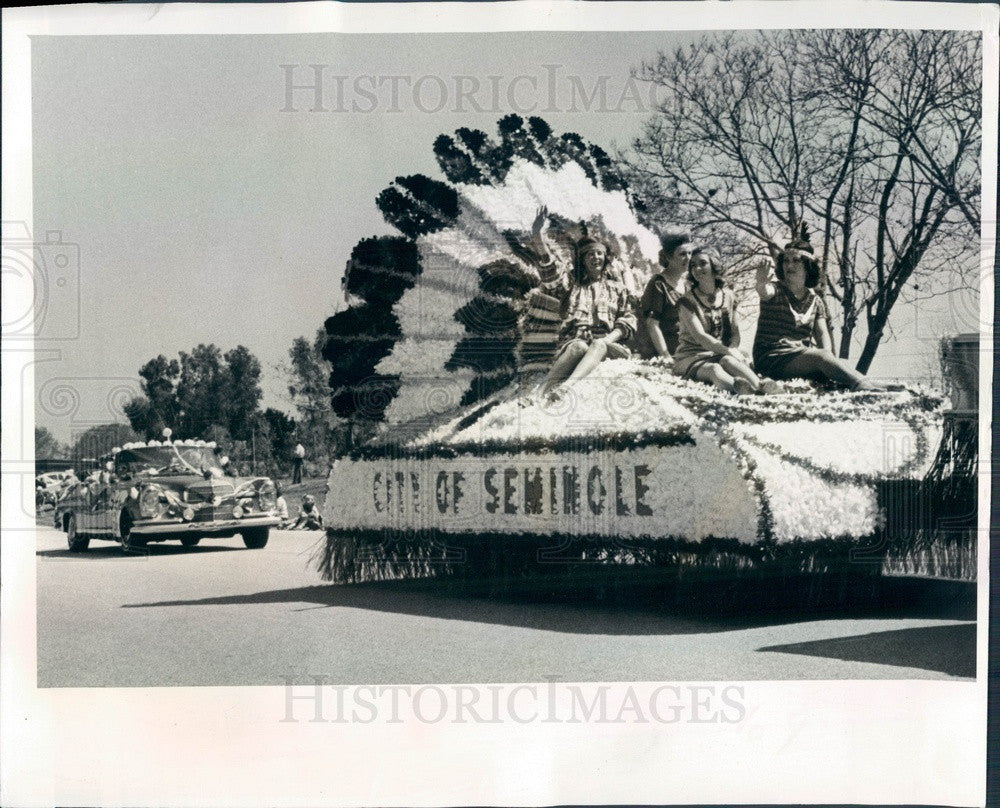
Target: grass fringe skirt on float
(640, 484)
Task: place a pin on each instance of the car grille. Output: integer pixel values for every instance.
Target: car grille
(207, 492)
(213, 514)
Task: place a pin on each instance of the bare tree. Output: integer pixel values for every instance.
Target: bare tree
(869, 137)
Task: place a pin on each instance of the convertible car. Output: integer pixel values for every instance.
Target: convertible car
(157, 491)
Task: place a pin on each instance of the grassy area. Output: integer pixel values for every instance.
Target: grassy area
(309, 485)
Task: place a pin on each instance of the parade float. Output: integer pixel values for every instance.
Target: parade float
(470, 474)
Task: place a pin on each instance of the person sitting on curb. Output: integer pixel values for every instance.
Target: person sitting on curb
(281, 506)
(309, 515)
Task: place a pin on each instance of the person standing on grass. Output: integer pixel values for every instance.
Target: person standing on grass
(659, 324)
(298, 459)
(709, 344)
(793, 333)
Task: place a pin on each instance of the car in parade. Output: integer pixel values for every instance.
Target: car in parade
(161, 490)
(49, 486)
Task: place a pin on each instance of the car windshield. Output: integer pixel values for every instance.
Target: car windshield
(165, 460)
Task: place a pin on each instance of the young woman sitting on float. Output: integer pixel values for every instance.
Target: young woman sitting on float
(598, 312)
(659, 328)
(709, 344)
(793, 334)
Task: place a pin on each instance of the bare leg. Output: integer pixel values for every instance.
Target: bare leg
(816, 361)
(564, 365)
(713, 373)
(735, 368)
(594, 356)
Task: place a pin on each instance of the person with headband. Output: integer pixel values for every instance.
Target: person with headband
(598, 312)
(793, 332)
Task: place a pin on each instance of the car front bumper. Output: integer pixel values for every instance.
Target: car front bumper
(204, 528)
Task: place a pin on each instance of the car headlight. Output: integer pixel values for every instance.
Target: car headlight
(267, 496)
(149, 501)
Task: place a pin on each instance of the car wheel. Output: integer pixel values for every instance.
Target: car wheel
(130, 543)
(190, 541)
(76, 541)
(255, 538)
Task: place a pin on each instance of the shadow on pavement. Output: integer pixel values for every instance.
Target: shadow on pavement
(945, 649)
(112, 551)
(576, 613)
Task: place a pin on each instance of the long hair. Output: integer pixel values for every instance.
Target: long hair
(808, 261)
(714, 261)
(580, 275)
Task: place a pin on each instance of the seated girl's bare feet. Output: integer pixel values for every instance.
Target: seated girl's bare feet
(865, 386)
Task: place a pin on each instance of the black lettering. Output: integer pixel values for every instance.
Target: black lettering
(400, 491)
(621, 507)
(641, 489)
(509, 490)
(376, 480)
(595, 485)
(441, 491)
(533, 491)
(494, 502)
(571, 489)
(457, 478)
(415, 488)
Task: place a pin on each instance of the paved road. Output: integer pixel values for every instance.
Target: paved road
(219, 614)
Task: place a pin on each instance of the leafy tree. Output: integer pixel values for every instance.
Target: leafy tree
(100, 440)
(46, 445)
(202, 390)
(157, 407)
(243, 371)
(871, 137)
(310, 392)
(198, 392)
(281, 430)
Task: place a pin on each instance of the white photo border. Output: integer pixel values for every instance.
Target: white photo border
(799, 742)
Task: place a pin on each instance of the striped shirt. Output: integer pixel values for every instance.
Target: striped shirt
(787, 325)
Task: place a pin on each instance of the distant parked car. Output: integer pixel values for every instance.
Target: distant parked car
(48, 487)
(148, 492)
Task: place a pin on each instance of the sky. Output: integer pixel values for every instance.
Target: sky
(210, 203)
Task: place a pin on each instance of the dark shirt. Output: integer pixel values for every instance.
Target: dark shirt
(787, 325)
(659, 301)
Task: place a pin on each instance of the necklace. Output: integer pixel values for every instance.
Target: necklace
(711, 304)
(802, 317)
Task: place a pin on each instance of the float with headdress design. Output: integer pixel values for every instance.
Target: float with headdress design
(461, 473)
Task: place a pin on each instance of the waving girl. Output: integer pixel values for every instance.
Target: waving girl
(598, 311)
(793, 333)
